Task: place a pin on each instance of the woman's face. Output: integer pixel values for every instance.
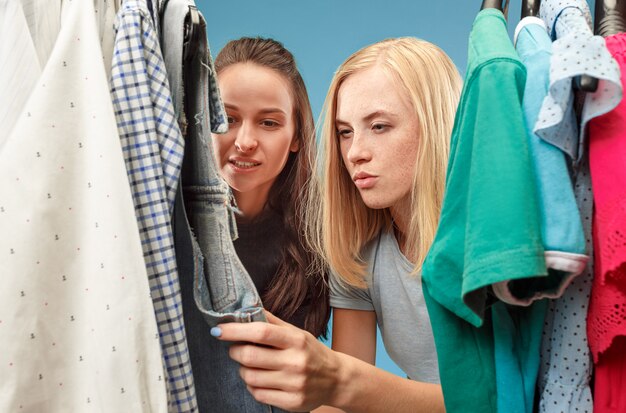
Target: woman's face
(378, 137)
(261, 128)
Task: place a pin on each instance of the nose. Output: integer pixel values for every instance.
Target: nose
(359, 151)
(245, 140)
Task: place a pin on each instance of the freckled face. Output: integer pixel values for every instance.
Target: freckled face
(261, 128)
(378, 137)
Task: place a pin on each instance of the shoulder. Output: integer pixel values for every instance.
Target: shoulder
(380, 250)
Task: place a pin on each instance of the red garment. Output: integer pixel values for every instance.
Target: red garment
(606, 319)
(610, 381)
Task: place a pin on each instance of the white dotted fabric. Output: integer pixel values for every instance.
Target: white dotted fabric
(77, 326)
(575, 51)
(565, 367)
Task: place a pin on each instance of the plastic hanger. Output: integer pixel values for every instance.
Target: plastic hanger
(192, 30)
(587, 83)
(502, 5)
(530, 8)
(192, 33)
(610, 17)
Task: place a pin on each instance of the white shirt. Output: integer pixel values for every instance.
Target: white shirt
(77, 325)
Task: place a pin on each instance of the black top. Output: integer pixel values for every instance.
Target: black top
(260, 248)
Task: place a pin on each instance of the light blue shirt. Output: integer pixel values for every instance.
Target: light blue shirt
(518, 330)
(561, 227)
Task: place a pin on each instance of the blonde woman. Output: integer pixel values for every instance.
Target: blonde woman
(389, 113)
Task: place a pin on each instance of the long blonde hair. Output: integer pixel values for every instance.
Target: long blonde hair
(340, 227)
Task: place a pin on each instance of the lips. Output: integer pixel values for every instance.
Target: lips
(363, 180)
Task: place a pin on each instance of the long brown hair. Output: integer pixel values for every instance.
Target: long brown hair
(297, 279)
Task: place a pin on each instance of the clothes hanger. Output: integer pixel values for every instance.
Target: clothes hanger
(583, 83)
(192, 34)
(192, 29)
(502, 5)
(530, 8)
(610, 17)
(587, 83)
(161, 6)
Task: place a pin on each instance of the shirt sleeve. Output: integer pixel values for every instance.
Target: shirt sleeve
(348, 297)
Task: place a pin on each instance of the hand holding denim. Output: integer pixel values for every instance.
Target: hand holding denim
(287, 367)
(283, 365)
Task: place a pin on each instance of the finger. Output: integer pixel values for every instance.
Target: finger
(256, 332)
(268, 358)
(272, 319)
(292, 402)
(271, 379)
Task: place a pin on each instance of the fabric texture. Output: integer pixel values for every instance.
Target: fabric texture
(44, 24)
(607, 158)
(470, 247)
(610, 379)
(606, 321)
(517, 340)
(106, 11)
(260, 246)
(396, 297)
(77, 326)
(564, 386)
(487, 189)
(517, 331)
(565, 368)
(19, 65)
(153, 150)
(561, 227)
(174, 15)
(215, 285)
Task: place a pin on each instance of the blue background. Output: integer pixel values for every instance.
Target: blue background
(323, 33)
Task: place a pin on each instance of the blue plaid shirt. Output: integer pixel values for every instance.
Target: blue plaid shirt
(153, 150)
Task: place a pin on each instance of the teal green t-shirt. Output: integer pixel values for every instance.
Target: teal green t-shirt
(489, 229)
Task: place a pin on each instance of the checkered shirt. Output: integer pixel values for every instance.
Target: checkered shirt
(153, 150)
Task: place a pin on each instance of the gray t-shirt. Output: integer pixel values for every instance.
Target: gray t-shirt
(398, 301)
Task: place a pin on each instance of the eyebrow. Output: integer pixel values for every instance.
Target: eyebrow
(262, 111)
(371, 116)
(273, 110)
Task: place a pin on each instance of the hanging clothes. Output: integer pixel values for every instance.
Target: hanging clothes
(565, 368)
(106, 11)
(606, 321)
(215, 285)
(561, 227)
(19, 64)
(153, 150)
(44, 23)
(471, 251)
(77, 326)
(575, 51)
(563, 384)
(610, 377)
(172, 40)
(517, 331)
